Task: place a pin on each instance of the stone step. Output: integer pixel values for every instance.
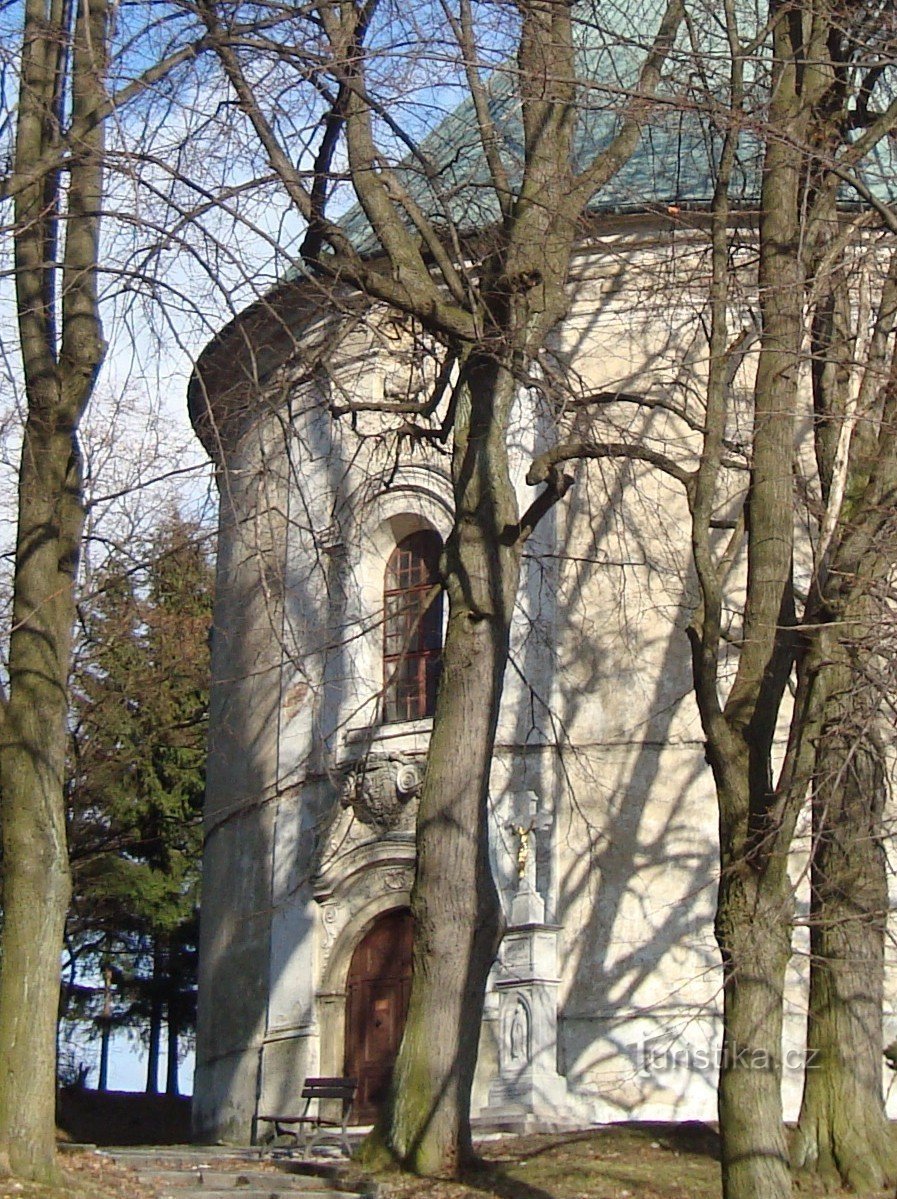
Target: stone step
(186, 1159)
(298, 1184)
(200, 1173)
(201, 1192)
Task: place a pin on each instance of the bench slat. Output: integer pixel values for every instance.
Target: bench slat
(301, 1120)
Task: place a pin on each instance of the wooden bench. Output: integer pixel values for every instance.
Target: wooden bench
(308, 1129)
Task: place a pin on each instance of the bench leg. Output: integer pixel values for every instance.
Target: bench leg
(308, 1140)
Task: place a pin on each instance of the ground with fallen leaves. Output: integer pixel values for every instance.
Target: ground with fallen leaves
(621, 1161)
(643, 1161)
(87, 1175)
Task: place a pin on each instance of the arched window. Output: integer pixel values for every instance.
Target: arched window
(412, 627)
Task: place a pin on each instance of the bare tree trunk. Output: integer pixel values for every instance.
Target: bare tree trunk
(59, 373)
(757, 816)
(105, 1023)
(843, 1133)
(753, 927)
(426, 1121)
(154, 1044)
(173, 1049)
(753, 922)
(36, 885)
(105, 1037)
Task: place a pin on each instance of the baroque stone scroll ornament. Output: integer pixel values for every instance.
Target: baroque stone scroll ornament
(379, 791)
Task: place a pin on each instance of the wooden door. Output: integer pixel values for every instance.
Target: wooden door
(377, 994)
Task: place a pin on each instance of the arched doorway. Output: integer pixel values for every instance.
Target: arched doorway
(377, 991)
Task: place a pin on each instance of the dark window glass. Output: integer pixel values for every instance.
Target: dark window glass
(412, 628)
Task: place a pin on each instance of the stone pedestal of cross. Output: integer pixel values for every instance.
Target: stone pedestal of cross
(528, 1091)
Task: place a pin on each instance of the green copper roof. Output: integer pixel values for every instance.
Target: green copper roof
(673, 164)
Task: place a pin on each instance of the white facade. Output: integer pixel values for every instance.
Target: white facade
(605, 1001)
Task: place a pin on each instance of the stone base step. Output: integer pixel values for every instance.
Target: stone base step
(225, 1173)
(294, 1184)
(202, 1192)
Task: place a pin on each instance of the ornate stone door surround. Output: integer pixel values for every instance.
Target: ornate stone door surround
(357, 887)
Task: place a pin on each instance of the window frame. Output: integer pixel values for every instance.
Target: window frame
(412, 627)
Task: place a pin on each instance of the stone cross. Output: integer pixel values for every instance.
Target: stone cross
(527, 820)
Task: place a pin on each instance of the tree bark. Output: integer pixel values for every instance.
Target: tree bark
(753, 926)
(758, 814)
(154, 1044)
(425, 1124)
(754, 919)
(36, 885)
(59, 372)
(843, 1132)
(105, 1023)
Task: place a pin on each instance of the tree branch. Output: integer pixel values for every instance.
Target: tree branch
(609, 161)
(558, 484)
(568, 451)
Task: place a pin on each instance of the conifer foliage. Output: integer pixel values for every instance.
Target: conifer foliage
(134, 803)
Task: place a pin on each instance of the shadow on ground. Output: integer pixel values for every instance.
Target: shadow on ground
(121, 1118)
(643, 1160)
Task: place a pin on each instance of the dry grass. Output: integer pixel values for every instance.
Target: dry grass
(618, 1161)
(642, 1161)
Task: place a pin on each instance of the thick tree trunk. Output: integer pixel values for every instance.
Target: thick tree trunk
(843, 1133)
(753, 928)
(426, 1121)
(35, 900)
(60, 367)
(754, 907)
(36, 884)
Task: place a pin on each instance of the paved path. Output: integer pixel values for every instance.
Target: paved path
(220, 1173)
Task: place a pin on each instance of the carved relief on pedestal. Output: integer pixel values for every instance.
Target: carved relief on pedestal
(518, 1047)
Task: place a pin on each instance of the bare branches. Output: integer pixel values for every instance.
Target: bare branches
(568, 451)
(608, 162)
(462, 26)
(105, 104)
(267, 136)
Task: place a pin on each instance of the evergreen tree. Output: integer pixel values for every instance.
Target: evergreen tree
(140, 704)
